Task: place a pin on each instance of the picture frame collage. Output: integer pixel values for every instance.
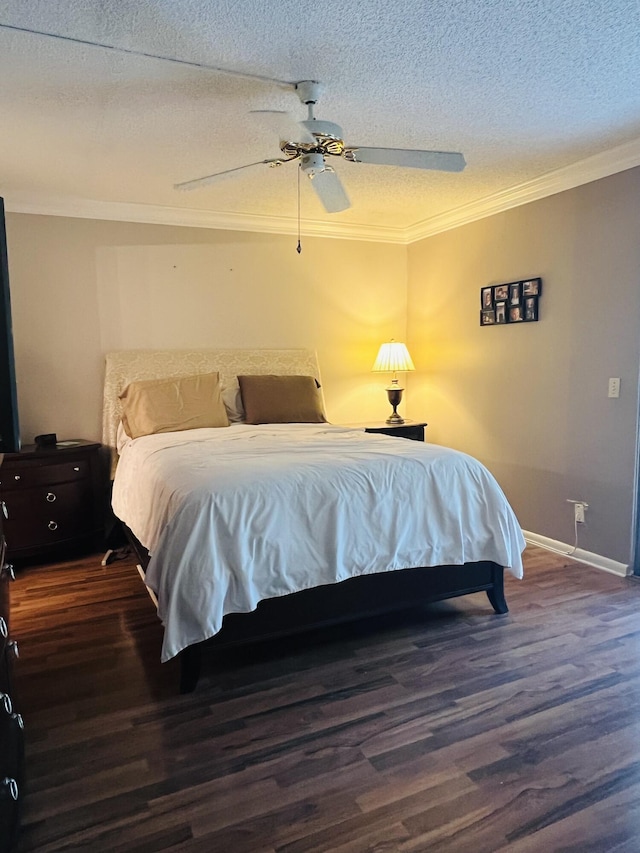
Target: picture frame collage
(513, 302)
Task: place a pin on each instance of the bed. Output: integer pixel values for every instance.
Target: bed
(257, 530)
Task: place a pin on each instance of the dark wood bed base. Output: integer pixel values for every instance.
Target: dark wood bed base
(332, 604)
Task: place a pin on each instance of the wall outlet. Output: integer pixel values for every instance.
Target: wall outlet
(578, 511)
(614, 387)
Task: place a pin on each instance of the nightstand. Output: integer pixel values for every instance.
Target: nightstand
(413, 430)
(54, 498)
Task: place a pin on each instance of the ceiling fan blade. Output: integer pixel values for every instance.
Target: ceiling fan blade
(330, 191)
(197, 183)
(282, 123)
(445, 161)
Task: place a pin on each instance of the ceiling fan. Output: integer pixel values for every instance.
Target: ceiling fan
(313, 141)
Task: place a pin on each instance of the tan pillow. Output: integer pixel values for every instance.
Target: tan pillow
(168, 405)
(281, 399)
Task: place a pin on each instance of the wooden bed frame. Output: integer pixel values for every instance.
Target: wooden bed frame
(334, 604)
(356, 598)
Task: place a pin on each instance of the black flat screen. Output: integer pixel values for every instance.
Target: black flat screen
(9, 427)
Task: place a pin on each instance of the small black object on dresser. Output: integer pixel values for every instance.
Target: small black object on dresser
(11, 725)
(413, 430)
(54, 496)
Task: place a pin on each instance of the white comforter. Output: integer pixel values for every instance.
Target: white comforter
(236, 515)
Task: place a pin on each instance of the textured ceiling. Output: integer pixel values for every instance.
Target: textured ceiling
(521, 88)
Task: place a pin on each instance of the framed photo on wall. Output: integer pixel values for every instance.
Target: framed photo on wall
(512, 302)
(530, 308)
(532, 287)
(516, 314)
(501, 292)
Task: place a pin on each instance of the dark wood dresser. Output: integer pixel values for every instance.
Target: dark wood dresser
(11, 725)
(54, 498)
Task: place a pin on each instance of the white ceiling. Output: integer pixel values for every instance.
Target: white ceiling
(537, 94)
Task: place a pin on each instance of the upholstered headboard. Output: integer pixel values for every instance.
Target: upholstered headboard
(125, 366)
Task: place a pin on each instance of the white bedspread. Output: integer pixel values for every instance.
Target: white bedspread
(236, 515)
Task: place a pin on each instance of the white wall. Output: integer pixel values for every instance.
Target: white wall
(80, 288)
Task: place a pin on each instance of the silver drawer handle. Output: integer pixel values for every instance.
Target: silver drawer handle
(4, 630)
(16, 476)
(12, 785)
(18, 720)
(50, 497)
(4, 509)
(53, 525)
(76, 468)
(8, 569)
(13, 646)
(6, 702)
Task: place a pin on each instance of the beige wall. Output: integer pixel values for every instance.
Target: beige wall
(530, 400)
(80, 288)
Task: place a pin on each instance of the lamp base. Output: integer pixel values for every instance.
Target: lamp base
(394, 393)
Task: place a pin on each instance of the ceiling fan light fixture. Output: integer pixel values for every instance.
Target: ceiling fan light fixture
(312, 164)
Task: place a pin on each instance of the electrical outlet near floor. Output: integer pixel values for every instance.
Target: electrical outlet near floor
(579, 509)
(614, 387)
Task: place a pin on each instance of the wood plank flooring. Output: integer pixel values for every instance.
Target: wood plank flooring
(449, 729)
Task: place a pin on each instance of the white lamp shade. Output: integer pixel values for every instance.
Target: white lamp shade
(393, 357)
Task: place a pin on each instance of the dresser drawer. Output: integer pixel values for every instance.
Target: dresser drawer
(26, 475)
(10, 808)
(4, 626)
(4, 641)
(11, 738)
(7, 659)
(44, 516)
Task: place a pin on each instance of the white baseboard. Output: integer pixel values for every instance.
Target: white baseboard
(588, 557)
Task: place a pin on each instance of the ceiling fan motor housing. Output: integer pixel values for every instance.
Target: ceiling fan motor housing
(309, 91)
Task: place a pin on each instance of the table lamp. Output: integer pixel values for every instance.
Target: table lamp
(393, 358)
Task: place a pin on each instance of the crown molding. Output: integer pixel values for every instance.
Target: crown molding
(149, 214)
(593, 168)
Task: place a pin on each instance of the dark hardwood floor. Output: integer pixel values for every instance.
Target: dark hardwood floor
(451, 729)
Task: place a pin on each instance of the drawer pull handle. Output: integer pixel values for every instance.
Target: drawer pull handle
(7, 569)
(76, 468)
(4, 510)
(50, 497)
(18, 720)
(6, 702)
(4, 630)
(16, 476)
(12, 785)
(53, 525)
(13, 646)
